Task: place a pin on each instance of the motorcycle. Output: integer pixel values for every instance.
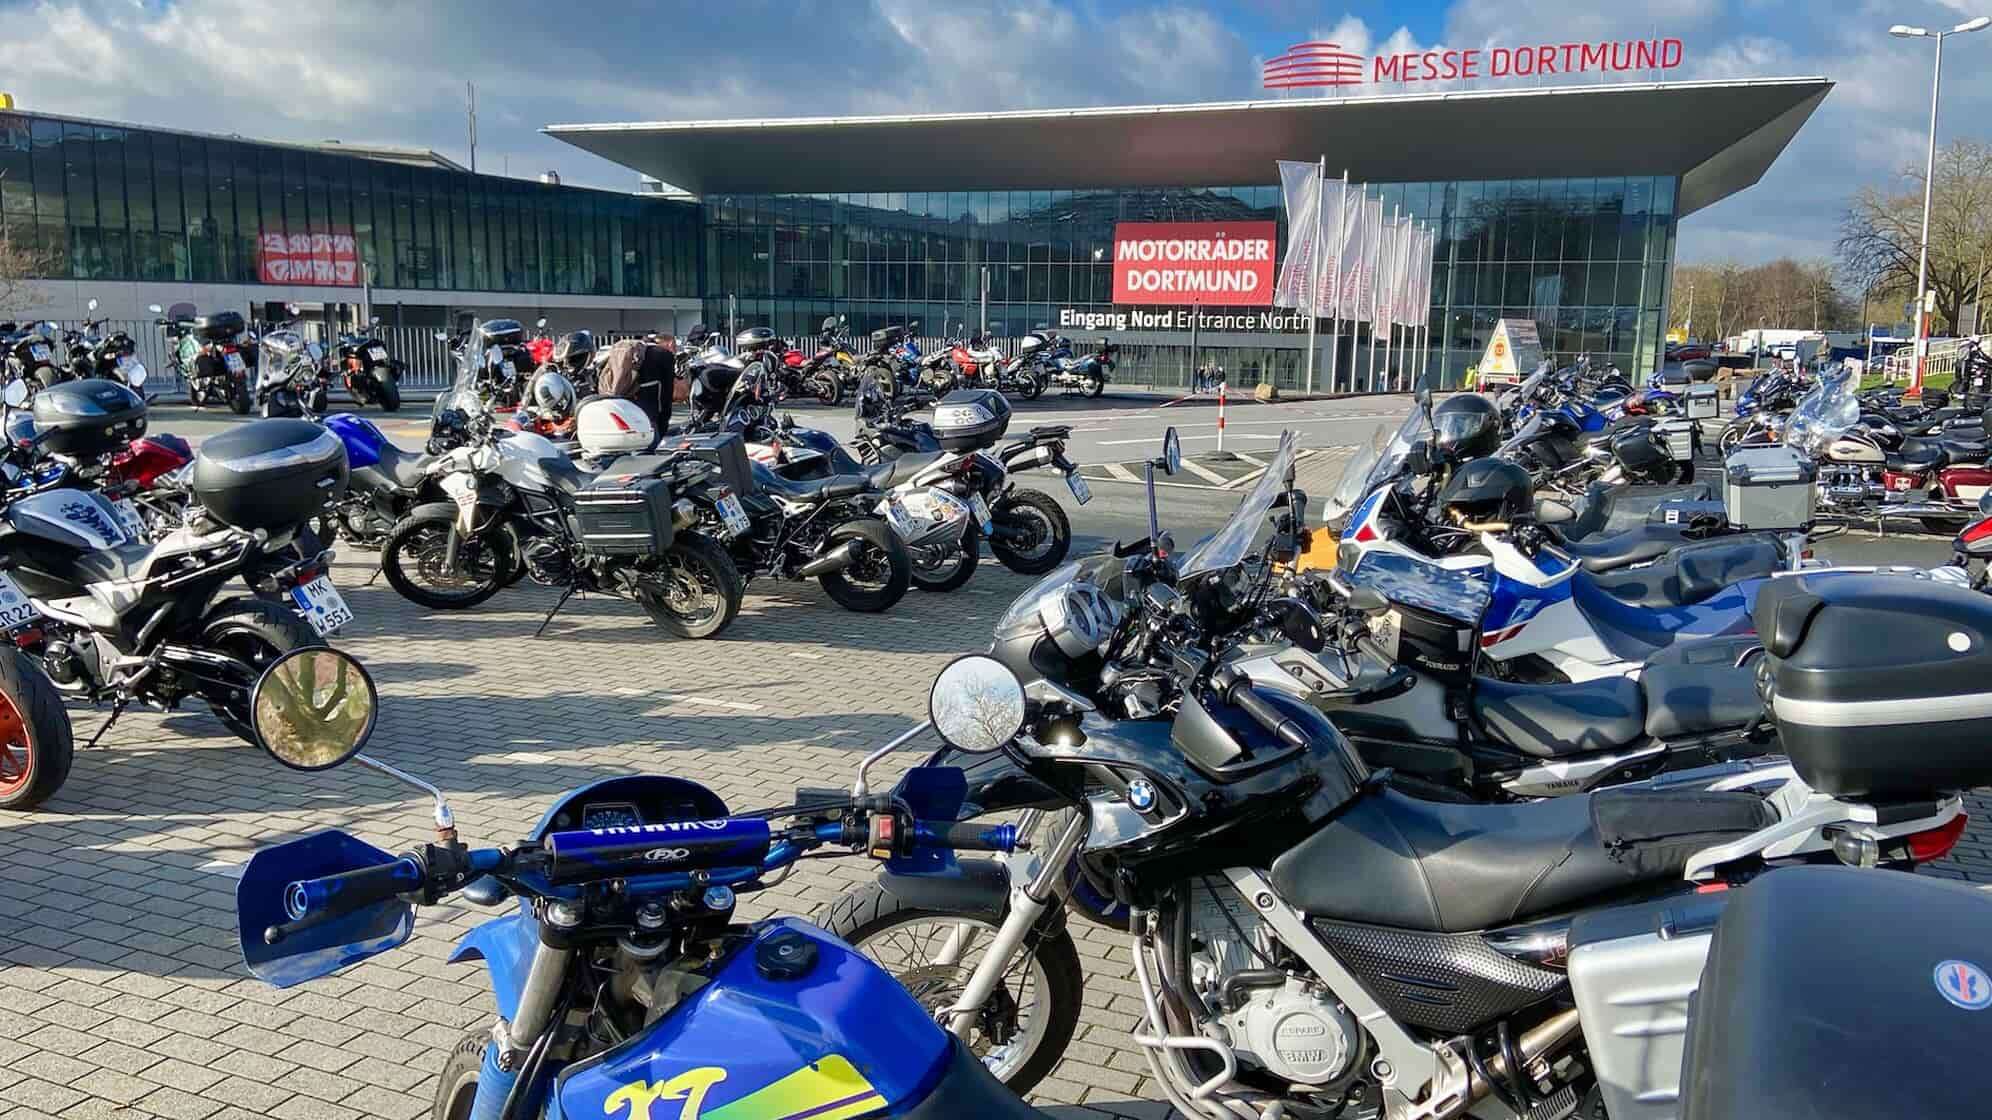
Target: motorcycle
(1565, 442)
(210, 356)
(975, 360)
(385, 483)
(32, 356)
(493, 367)
(1089, 375)
(291, 379)
(1305, 936)
(519, 505)
(1936, 482)
(622, 979)
(370, 375)
(111, 617)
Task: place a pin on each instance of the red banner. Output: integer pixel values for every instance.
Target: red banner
(1228, 264)
(324, 259)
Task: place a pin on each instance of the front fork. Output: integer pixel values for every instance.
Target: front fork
(512, 1044)
(1046, 887)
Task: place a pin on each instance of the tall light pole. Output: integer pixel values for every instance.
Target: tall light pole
(1903, 31)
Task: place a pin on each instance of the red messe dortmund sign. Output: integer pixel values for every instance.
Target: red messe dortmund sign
(1224, 263)
(308, 258)
(1318, 64)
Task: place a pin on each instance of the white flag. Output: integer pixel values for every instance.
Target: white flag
(1362, 287)
(1301, 269)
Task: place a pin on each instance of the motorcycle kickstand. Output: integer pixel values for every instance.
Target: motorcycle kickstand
(117, 709)
(564, 596)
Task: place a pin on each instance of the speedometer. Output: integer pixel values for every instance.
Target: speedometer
(610, 814)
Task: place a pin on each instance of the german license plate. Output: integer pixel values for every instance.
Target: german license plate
(1386, 628)
(15, 607)
(733, 516)
(320, 604)
(898, 518)
(377, 353)
(38, 352)
(235, 362)
(1081, 492)
(981, 509)
(134, 525)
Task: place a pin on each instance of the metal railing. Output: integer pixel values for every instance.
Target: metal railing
(1942, 359)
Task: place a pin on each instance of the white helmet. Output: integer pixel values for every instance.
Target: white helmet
(553, 395)
(614, 426)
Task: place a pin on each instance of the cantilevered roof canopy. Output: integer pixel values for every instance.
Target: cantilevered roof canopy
(1719, 137)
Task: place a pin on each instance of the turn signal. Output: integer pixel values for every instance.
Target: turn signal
(1937, 842)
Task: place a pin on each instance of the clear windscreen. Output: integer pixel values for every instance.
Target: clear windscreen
(1228, 546)
(1379, 461)
(1824, 413)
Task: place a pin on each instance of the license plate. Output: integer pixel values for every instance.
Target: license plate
(134, 525)
(1081, 492)
(377, 353)
(16, 608)
(733, 515)
(319, 603)
(981, 509)
(126, 361)
(39, 352)
(235, 363)
(1386, 628)
(898, 518)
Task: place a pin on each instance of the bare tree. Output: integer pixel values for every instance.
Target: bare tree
(1881, 234)
(1728, 298)
(19, 264)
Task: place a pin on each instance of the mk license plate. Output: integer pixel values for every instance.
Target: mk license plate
(981, 509)
(321, 606)
(733, 516)
(377, 353)
(134, 525)
(15, 607)
(1081, 492)
(235, 363)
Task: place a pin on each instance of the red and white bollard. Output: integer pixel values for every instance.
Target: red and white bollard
(1220, 416)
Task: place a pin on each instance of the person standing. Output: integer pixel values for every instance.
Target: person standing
(655, 377)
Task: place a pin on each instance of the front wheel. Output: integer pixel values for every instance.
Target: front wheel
(456, 1086)
(945, 571)
(415, 560)
(697, 591)
(1099, 385)
(1029, 1020)
(878, 577)
(255, 632)
(36, 749)
(1032, 532)
(238, 399)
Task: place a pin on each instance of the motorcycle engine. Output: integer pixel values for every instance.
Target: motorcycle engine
(1290, 1027)
(548, 562)
(1848, 483)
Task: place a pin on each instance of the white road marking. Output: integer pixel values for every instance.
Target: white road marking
(1203, 472)
(1120, 473)
(222, 867)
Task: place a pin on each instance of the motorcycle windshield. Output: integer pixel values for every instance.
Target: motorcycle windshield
(1378, 462)
(1228, 546)
(1825, 413)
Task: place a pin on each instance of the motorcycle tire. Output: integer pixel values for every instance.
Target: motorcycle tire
(1099, 386)
(1048, 525)
(256, 632)
(390, 390)
(1032, 388)
(36, 748)
(238, 399)
(877, 537)
(830, 391)
(496, 570)
(696, 556)
(956, 570)
(870, 913)
(320, 397)
(456, 1086)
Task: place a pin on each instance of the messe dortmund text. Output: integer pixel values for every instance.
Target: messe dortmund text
(1178, 319)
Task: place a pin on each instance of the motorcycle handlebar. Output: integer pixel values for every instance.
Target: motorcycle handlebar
(310, 902)
(1237, 690)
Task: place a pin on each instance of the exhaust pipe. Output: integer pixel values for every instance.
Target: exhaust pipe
(835, 560)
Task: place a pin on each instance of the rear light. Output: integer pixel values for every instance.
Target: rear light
(306, 575)
(27, 639)
(1937, 842)
(1977, 531)
(616, 418)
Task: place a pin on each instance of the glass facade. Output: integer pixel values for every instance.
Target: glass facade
(1587, 259)
(106, 202)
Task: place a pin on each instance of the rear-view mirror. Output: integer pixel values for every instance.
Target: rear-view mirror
(1172, 452)
(92, 305)
(540, 322)
(16, 393)
(313, 708)
(155, 309)
(977, 704)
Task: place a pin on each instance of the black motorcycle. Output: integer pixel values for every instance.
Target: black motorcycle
(518, 505)
(212, 354)
(371, 374)
(37, 357)
(291, 379)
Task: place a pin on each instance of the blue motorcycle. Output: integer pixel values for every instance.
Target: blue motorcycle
(624, 987)
(387, 482)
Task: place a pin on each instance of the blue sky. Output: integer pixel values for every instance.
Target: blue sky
(370, 70)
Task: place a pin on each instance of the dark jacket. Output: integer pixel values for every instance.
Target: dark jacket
(654, 375)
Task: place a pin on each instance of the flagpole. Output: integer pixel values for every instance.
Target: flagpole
(1341, 233)
(1390, 324)
(1371, 386)
(1314, 280)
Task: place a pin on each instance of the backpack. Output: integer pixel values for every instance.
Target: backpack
(618, 377)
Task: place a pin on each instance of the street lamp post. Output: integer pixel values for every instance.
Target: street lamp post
(1903, 31)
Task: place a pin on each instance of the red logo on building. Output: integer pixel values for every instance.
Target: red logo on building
(1229, 264)
(1313, 64)
(326, 259)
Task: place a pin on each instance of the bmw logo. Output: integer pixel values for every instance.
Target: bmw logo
(1141, 795)
(1964, 984)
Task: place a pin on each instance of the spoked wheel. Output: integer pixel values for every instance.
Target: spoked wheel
(696, 592)
(35, 745)
(1028, 1022)
(415, 560)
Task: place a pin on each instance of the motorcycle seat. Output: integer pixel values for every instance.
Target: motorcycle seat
(892, 472)
(1394, 860)
(404, 467)
(815, 491)
(1050, 431)
(1966, 451)
(1556, 720)
(1684, 700)
(566, 473)
(1605, 552)
(1918, 455)
(1690, 573)
(125, 562)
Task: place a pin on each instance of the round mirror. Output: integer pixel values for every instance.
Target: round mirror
(441, 337)
(540, 322)
(1172, 452)
(16, 393)
(291, 308)
(374, 322)
(313, 708)
(977, 704)
(155, 309)
(92, 305)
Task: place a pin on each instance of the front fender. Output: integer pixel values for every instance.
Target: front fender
(506, 946)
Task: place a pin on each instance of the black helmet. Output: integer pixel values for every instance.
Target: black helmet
(574, 349)
(1488, 490)
(1466, 426)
